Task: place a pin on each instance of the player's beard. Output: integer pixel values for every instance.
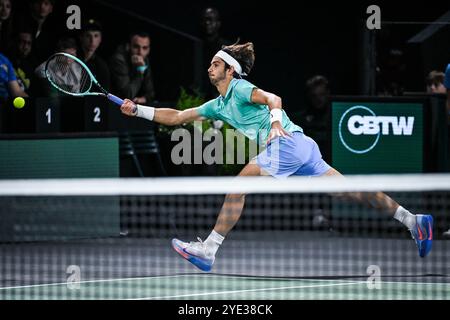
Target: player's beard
(217, 79)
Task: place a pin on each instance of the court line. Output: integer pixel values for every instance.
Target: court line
(92, 281)
(342, 281)
(212, 275)
(247, 290)
(328, 280)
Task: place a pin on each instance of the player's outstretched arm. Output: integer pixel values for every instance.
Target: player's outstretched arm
(165, 116)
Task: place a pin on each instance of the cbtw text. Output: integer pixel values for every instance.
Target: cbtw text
(371, 125)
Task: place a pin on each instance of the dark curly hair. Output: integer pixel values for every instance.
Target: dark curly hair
(243, 53)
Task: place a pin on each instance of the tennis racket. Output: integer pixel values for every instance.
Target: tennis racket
(71, 76)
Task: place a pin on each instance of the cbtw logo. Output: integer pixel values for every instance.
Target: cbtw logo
(360, 128)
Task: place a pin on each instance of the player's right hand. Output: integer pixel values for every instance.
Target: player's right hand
(277, 131)
(128, 108)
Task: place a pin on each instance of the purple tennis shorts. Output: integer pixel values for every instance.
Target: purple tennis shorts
(297, 155)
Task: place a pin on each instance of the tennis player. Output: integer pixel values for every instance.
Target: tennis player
(259, 115)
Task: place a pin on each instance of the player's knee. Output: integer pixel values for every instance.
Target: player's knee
(236, 197)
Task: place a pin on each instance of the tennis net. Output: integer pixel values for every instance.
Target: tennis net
(298, 238)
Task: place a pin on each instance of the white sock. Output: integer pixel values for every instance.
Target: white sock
(213, 242)
(405, 217)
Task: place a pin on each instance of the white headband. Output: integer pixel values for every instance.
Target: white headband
(231, 61)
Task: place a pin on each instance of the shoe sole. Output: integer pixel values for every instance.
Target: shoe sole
(196, 261)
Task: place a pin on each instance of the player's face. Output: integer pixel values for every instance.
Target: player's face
(42, 8)
(5, 9)
(216, 71)
(90, 40)
(24, 44)
(140, 46)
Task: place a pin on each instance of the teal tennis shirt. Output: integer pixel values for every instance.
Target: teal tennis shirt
(237, 109)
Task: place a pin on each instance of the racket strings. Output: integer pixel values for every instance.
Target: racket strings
(68, 75)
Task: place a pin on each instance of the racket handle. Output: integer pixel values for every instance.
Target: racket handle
(115, 99)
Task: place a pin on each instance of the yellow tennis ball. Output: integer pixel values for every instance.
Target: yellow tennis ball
(19, 102)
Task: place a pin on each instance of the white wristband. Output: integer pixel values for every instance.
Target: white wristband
(145, 112)
(276, 115)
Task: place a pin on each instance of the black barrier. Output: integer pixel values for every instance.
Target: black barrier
(422, 149)
(53, 155)
(68, 114)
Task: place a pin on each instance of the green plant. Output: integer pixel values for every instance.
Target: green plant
(233, 168)
(185, 101)
(188, 100)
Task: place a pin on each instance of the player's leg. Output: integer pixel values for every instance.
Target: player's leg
(202, 253)
(234, 203)
(420, 225)
(280, 159)
(377, 200)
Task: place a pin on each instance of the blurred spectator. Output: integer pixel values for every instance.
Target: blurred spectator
(6, 25)
(212, 42)
(42, 25)
(435, 82)
(24, 63)
(447, 86)
(9, 87)
(392, 74)
(90, 40)
(131, 75)
(43, 87)
(316, 118)
(211, 24)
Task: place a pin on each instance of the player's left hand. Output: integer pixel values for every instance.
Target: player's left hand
(277, 131)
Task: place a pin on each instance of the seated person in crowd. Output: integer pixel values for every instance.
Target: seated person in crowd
(212, 42)
(130, 70)
(315, 119)
(6, 24)
(23, 61)
(435, 82)
(90, 39)
(9, 87)
(42, 25)
(447, 86)
(72, 75)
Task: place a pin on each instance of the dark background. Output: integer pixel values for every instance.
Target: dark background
(293, 41)
(296, 40)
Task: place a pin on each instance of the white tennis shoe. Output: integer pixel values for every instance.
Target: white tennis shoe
(196, 252)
